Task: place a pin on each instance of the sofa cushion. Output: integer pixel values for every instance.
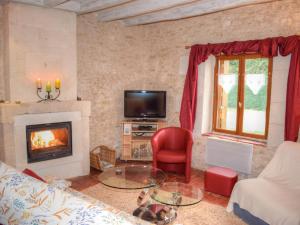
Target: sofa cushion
(29, 201)
(284, 167)
(171, 156)
(271, 202)
(274, 195)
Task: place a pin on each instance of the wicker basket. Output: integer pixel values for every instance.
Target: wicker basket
(102, 154)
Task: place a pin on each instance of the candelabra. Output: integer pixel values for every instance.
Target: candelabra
(48, 96)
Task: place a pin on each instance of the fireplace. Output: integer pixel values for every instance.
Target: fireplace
(48, 141)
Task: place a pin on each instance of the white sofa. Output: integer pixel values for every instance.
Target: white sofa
(28, 201)
(274, 196)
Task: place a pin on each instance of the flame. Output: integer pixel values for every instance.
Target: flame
(44, 139)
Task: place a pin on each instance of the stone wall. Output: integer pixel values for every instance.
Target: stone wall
(39, 43)
(112, 58)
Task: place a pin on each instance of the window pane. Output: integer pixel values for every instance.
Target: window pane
(255, 95)
(227, 94)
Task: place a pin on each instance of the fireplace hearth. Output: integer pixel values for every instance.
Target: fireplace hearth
(48, 141)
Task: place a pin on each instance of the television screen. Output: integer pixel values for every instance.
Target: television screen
(145, 104)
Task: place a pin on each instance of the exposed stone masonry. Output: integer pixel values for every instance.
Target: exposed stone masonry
(112, 58)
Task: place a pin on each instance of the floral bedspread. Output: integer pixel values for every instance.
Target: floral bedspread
(27, 201)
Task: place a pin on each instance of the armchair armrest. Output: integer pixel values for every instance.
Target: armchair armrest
(189, 147)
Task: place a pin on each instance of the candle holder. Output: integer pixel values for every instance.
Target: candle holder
(48, 96)
(48, 89)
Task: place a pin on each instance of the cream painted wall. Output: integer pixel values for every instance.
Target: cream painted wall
(40, 43)
(112, 58)
(1, 54)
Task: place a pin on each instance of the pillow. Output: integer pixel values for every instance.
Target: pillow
(33, 174)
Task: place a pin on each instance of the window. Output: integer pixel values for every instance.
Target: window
(242, 89)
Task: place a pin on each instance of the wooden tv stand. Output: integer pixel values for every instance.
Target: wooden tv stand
(136, 138)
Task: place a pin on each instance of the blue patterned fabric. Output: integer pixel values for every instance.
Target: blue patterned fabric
(27, 201)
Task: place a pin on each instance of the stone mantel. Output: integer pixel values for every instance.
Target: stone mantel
(10, 110)
(13, 144)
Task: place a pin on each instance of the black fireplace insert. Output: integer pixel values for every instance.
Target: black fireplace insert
(48, 141)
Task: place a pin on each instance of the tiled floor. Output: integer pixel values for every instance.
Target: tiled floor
(197, 179)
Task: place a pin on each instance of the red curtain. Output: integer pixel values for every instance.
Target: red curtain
(268, 47)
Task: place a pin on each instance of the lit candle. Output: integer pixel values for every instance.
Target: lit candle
(38, 83)
(48, 86)
(57, 83)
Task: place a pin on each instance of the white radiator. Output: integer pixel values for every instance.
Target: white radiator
(230, 154)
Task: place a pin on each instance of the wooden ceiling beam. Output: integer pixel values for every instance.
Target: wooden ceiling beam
(190, 10)
(53, 3)
(72, 6)
(100, 5)
(31, 2)
(138, 7)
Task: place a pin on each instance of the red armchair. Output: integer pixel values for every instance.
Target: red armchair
(172, 150)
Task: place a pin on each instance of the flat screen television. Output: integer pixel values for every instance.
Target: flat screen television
(144, 104)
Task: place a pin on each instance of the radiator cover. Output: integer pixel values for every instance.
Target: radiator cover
(230, 154)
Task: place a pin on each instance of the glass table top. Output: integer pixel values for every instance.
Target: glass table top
(132, 177)
(176, 194)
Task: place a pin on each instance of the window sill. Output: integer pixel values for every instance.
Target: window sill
(261, 143)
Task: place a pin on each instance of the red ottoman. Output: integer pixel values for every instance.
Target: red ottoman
(220, 180)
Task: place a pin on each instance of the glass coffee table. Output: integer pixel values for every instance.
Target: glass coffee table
(158, 200)
(176, 194)
(132, 177)
(170, 196)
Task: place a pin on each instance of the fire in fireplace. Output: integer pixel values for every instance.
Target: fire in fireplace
(48, 141)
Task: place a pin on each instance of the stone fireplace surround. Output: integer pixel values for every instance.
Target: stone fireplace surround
(13, 149)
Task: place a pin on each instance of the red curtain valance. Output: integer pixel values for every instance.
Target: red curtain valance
(268, 47)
